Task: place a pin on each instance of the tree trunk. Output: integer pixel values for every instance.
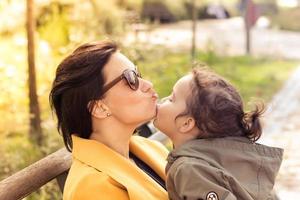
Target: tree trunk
(35, 131)
(194, 24)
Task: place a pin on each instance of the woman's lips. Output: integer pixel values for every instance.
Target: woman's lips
(155, 96)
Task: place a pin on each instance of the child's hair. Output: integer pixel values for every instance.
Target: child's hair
(217, 108)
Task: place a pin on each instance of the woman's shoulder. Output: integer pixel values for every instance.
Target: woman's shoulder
(85, 182)
(85, 174)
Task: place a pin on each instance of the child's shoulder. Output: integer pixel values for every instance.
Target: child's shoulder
(185, 164)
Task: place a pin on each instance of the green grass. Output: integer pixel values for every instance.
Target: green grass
(255, 78)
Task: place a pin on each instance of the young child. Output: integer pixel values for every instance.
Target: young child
(215, 155)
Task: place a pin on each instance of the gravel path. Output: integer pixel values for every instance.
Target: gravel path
(282, 129)
(225, 36)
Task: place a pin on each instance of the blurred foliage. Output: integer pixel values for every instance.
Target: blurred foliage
(50, 191)
(18, 151)
(61, 26)
(53, 24)
(177, 8)
(286, 19)
(10, 10)
(131, 4)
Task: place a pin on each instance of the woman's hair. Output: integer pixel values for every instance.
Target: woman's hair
(77, 85)
(217, 108)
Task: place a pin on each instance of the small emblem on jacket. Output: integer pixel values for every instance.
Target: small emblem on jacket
(212, 196)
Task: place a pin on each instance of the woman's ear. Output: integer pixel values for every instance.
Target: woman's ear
(100, 110)
(186, 124)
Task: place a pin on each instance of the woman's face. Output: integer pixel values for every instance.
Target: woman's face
(126, 105)
(172, 106)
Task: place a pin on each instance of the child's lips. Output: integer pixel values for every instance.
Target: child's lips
(157, 108)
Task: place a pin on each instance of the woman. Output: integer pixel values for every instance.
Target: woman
(100, 99)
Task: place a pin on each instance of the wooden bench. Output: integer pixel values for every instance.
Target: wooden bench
(53, 166)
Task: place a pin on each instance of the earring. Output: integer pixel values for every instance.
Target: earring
(108, 114)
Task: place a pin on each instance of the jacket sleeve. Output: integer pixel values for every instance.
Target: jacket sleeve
(197, 181)
(97, 186)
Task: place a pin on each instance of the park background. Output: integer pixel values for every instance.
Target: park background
(163, 38)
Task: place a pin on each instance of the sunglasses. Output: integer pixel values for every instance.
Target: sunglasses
(131, 76)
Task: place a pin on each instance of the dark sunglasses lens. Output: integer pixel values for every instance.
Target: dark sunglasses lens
(132, 80)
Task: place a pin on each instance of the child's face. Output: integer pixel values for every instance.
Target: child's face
(172, 106)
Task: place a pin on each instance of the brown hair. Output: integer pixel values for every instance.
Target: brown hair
(77, 85)
(217, 108)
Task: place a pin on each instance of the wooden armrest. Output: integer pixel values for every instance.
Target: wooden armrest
(31, 178)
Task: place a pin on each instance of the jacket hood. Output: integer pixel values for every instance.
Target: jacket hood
(254, 166)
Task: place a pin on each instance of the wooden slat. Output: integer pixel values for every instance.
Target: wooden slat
(31, 178)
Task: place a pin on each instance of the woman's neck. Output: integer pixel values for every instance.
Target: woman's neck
(114, 135)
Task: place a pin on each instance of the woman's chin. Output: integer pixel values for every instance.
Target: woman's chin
(151, 117)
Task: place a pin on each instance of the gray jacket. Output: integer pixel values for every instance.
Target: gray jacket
(231, 168)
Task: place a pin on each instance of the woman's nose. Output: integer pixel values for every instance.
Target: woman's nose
(146, 85)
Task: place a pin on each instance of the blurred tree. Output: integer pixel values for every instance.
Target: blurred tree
(53, 23)
(130, 4)
(35, 130)
(164, 11)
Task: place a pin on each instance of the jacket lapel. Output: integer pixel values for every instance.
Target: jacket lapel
(151, 153)
(104, 159)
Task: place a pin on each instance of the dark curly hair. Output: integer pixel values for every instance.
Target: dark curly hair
(217, 108)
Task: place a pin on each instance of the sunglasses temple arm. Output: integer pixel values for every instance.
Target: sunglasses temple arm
(112, 83)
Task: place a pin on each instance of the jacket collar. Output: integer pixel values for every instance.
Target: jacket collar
(234, 155)
(140, 147)
(104, 159)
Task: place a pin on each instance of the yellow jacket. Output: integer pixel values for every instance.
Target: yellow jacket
(99, 173)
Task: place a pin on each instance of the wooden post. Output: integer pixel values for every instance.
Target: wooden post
(194, 30)
(250, 17)
(248, 39)
(34, 111)
(36, 175)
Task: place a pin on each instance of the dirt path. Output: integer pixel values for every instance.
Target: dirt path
(225, 36)
(282, 129)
